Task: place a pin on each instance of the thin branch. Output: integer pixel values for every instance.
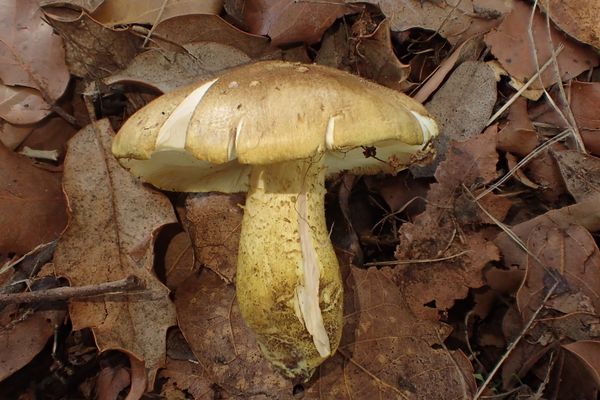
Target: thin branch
(132, 282)
(422, 261)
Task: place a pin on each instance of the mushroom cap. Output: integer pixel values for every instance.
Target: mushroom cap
(205, 137)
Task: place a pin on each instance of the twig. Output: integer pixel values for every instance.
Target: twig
(156, 21)
(423, 261)
(132, 282)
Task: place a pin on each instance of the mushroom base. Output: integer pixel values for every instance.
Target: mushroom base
(289, 286)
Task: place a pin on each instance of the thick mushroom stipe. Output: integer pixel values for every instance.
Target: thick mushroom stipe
(289, 286)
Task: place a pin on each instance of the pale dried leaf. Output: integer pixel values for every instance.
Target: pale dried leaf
(31, 54)
(118, 12)
(86, 5)
(166, 70)
(581, 173)
(110, 236)
(22, 105)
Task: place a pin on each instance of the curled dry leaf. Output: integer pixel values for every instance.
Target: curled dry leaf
(462, 107)
(290, 21)
(166, 70)
(578, 18)
(21, 340)
(117, 12)
(214, 222)
(22, 105)
(455, 20)
(110, 236)
(580, 172)
(378, 321)
(209, 28)
(32, 207)
(92, 50)
(445, 231)
(31, 55)
(568, 257)
(11, 135)
(87, 5)
(511, 45)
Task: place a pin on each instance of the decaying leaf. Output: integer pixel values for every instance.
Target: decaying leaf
(209, 28)
(511, 45)
(110, 236)
(214, 222)
(578, 18)
(31, 54)
(290, 21)
(165, 70)
(93, 50)
(455, 20)
(24, 338)
(581, 173)
(117, 12)
(568, 258)
(32, 207)
(22, 105)
(443, 230)
(461, 107)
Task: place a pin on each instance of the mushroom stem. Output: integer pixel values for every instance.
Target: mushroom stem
(288, 279)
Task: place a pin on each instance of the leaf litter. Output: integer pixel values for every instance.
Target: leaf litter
(473, 278)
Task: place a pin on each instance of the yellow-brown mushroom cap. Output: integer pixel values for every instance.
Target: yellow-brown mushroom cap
(204, 137)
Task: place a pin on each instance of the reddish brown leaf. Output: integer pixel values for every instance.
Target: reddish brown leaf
(32, 206)
(11, 135)
(290, 21)
(110, 236)
(179, 260)
(578, 18)
(518, 135)
(511, 46)
(23, 338)
(31, 54)
(588, 352)
(22, 105)
(93, 51)
(568, 257)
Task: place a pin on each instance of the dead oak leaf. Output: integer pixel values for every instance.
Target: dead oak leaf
(109, 237)
(31, 54)
(33, 208)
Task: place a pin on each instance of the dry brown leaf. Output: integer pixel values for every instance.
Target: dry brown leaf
(111, 381)
(24, 338)
(376, 59)
(11, 135)
(165, 70)
(461, 107)
(377, 321)
(118, 12)
(209, 28)
(31, 54)
(511, 46)
(52, 134)
(86, 5)
(455, 20)
(567, 256)
(214, 222)
(438, 232)
(93, 51)
(22, 105)
(543, 170)
(110, 236)
(518, 136)
(583, 100)
(578, 18)
(290, 21)
(32, 206)
(588, 353)
(580, 172)
(179, 260)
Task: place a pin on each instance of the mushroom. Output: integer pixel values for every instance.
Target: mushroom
(275, 130)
